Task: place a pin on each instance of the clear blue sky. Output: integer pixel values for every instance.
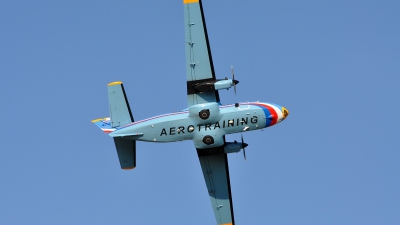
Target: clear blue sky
(334, 64)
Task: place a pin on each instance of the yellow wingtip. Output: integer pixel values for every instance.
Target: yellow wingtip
(114, 83)
(190, 1)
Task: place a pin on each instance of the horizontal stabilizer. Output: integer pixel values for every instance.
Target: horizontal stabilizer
(120, 112)
(126, 150)
(104, 124)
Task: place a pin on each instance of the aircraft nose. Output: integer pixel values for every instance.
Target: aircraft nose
(285, 112)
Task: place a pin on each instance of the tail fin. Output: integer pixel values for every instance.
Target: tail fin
(120, 115)
(120, 112)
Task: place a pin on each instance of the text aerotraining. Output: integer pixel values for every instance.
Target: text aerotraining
(208, 126)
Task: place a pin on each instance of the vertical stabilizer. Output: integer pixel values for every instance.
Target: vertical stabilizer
(120, 112)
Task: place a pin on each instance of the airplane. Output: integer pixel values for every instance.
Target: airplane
(206, 121)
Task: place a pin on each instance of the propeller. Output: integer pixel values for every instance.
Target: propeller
(244, 145)
(233, 80)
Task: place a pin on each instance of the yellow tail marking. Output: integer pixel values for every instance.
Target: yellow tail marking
(226, 224)
(114, 83)
(188, 2)
(97, 120)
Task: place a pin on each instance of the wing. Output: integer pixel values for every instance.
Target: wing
(199, 65)
(214, 164)
(200, 69)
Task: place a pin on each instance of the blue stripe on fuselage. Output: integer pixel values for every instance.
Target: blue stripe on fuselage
(267, 115)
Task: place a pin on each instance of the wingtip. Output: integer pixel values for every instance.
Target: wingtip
(190, 1)
(114, 83)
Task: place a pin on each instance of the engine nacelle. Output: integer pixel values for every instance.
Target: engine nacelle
(225, 84)
(214, 85)
(231, 147)
(208, 112)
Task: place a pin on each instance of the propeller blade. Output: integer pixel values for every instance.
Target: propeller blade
(233, 80)
(244, 145)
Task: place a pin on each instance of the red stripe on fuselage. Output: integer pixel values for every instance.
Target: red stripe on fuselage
(271, 111)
